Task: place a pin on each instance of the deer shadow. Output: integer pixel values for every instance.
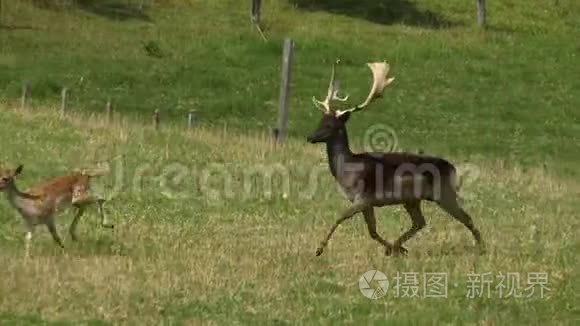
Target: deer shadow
(384, 12)
(111, 9)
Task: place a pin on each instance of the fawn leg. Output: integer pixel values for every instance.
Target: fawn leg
(348, 213)
(101, 210)
(52, 230)
(73, 226)
(371, 221)
(418, 220)
(82, 197)
(28, 238)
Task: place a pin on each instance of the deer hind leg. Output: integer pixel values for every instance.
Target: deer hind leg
(101, 210)
(418, 223)
(81, 197)
(52, 230)
(450, 205)
(73, 226)
(371, 221)
(348, 213)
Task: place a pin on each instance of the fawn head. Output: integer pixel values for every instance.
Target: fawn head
(333, 120)
(7, 176)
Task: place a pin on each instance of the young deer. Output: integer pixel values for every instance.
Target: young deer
(380, 179)
(40, 203)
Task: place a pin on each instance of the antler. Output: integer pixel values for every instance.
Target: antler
(332, 94)
(380, 71)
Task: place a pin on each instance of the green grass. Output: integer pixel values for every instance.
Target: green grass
(185, 251)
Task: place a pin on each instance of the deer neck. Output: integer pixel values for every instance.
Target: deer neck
(338, 151)
(12, 192)
(17, 199)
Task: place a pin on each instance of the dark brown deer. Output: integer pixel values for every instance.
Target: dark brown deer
(378, 179)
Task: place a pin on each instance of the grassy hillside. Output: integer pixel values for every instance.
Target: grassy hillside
(215, 225)
(188, 248)
(506, 92)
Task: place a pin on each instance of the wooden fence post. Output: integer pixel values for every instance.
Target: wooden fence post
(25, 94)
(156, 119)
(275, 135)
(64, 100)
(481, 14)
(285, 88)
(109, 110)
(190, 118)
(256, 16)
(256, 8)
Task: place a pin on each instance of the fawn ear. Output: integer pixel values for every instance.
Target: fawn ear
(18, 170)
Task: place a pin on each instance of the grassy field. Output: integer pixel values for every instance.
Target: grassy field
(200, 239)
(187, 248)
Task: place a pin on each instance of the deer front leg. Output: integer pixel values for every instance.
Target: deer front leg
(348, 213)
(418, 220)
(371, 221)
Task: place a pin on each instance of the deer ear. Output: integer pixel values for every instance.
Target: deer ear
(18, 170)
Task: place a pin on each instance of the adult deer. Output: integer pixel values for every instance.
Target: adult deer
(40, 203)
(378, 179)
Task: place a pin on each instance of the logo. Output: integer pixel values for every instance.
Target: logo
(373, 284)
(380, 138)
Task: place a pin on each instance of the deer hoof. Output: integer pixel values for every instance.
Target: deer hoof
(319, 251)
(396, 251)
(482, 249)
(108, 226)
(400, 250)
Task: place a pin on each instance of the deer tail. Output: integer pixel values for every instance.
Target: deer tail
(457, 180)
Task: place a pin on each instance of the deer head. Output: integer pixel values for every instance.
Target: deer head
(7, 176)
(333, 119)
